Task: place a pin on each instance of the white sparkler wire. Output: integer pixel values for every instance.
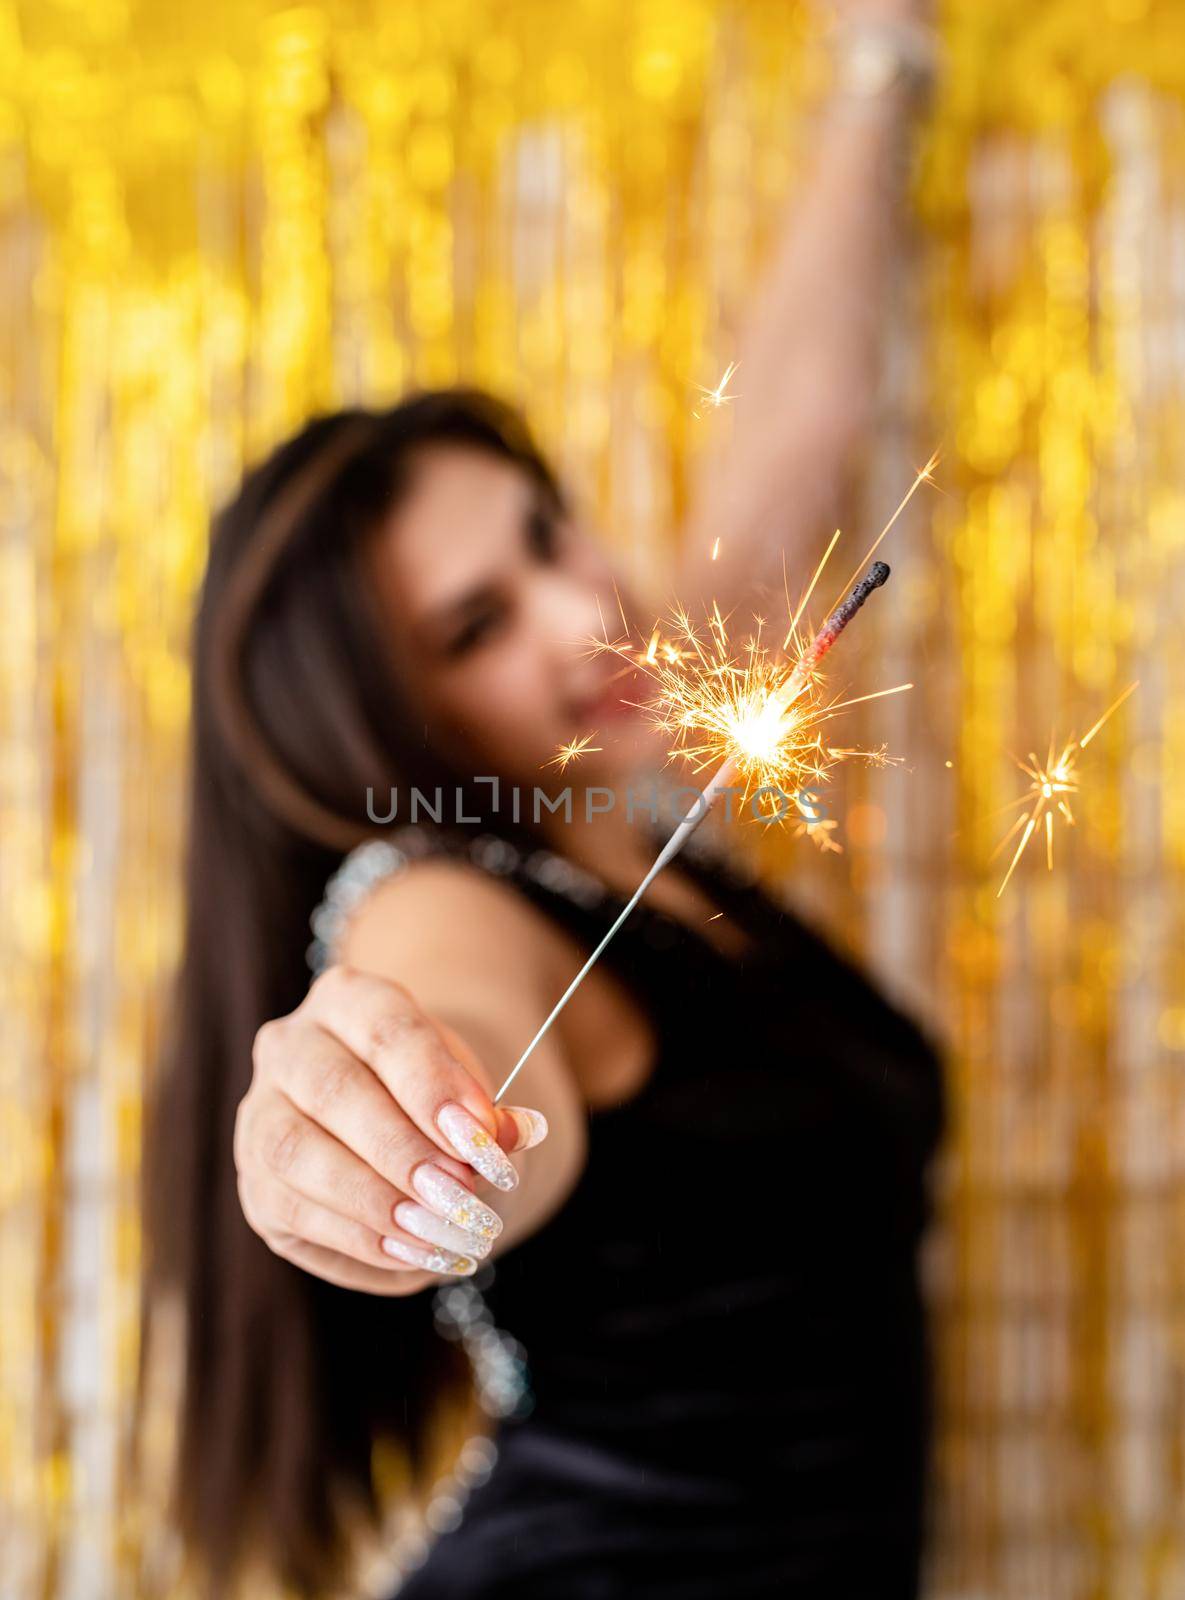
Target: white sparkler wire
(719, 781)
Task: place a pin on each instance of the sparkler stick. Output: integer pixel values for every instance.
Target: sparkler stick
(785, 695)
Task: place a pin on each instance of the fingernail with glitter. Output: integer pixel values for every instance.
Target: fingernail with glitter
(531, 1126)
(454, 1201)
(424, 1224)
(430, 1260)
(476, 1145)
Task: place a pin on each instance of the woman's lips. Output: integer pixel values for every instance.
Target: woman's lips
(611, 705)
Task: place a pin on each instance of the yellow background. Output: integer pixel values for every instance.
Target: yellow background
(217, 217)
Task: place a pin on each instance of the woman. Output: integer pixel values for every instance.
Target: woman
(702, 1224)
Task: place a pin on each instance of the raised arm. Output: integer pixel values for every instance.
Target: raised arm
(808, 351)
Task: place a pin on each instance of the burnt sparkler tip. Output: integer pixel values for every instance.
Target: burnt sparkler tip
(872, 579)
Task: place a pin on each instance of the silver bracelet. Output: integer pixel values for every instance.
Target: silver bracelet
(871, 58)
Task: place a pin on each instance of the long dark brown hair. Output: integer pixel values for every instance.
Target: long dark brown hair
(290, 1384)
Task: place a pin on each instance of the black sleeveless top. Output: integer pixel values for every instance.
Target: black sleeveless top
(722, 1324)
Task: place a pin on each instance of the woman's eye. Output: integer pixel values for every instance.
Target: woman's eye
(543, 534)
(473, 633)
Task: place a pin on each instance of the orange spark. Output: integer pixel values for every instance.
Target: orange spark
(1052, 782)
(567, 753)
(719, 396)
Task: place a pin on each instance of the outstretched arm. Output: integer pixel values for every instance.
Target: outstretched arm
(809, 349)
(367, 1147)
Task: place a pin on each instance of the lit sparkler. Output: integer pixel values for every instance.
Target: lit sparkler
(1052, 783)
(761, 710)
(719, 396)
(756, 718)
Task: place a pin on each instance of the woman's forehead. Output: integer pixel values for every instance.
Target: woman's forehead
(461, 516)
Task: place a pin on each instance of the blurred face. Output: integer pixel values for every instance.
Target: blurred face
(493, 601)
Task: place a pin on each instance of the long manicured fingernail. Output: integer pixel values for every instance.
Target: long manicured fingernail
(433, 1260)
(531, 1125)
(476, 1145)
(454, 1201)
(426, 1225)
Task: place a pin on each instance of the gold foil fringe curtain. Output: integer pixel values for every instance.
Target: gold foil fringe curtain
(219, 218)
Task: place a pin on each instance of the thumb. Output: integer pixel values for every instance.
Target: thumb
(515, 1127)
(520, 1128)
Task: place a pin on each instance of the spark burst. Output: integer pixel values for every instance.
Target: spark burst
(573, 750)
(762, 709)
(1052, 783)
(759, 709)
(719, 396)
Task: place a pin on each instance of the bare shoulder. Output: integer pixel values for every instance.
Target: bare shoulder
(446, 912)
